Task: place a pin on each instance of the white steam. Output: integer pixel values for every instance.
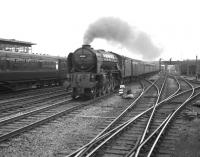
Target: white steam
(115, 30)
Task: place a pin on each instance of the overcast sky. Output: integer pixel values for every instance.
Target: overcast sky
(58, 26)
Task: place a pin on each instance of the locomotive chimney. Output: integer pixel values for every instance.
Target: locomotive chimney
(86, 46)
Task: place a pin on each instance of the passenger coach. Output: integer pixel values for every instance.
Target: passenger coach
(20, 69)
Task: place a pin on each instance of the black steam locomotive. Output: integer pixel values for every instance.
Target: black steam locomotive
(19, 69)
(96, 72)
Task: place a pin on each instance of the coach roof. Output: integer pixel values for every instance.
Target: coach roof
(16, 42)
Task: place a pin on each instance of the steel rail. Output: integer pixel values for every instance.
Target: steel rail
(150, 119)
(51, 117)
(15, 94)
(132, 152)
(120, 129)
(177, 82)
(135, 154)
(84, 148)
(192, 96)
(136, 117)
(152, 113)
(122, 126)
(20, 115)
(28, 97)
(39, 122)
(15, 107)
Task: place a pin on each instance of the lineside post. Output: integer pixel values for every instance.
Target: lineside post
(196, 67)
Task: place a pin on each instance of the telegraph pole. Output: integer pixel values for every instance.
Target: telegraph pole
(187, 68)
(160, 64)
(196, 67)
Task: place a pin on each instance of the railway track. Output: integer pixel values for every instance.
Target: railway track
(11, 106)
(167, 132)
(144, 101)
(166, 140)
(118, 139)
(170, 87)
(23, 121)
(160, 114)
(124, 139)
(25, 93)
(194, 82)
(27, 96)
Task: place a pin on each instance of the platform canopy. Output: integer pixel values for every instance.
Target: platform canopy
(15, 45)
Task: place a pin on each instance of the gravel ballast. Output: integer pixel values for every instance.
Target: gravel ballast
(68, 133)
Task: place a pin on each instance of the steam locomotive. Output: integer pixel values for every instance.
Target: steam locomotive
(97, 72)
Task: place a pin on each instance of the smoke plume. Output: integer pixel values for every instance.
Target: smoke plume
(115, 30)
